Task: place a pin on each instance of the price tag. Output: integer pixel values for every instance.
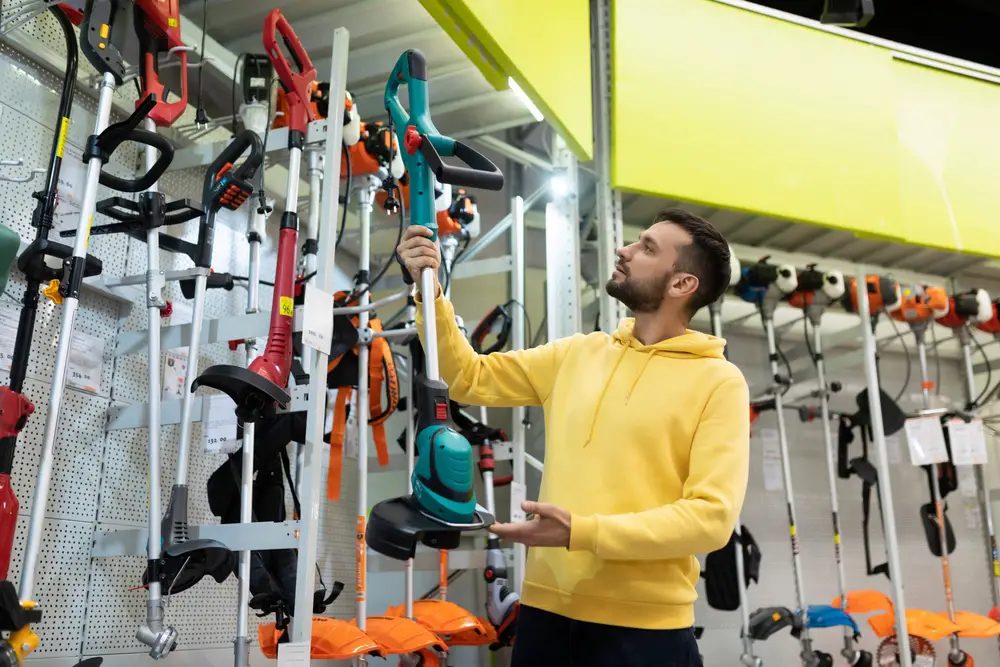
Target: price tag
(317, 319)
(518, 494)
(174, 370)
(8, 334)
(86, 361)
(69, 189)
(925, 439)
(968, 442)
(774, 478)
(293, 654)
(218, 420)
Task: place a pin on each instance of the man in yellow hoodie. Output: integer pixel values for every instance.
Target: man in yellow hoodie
(647, 439)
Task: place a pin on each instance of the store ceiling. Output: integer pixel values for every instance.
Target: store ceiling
(463, 103)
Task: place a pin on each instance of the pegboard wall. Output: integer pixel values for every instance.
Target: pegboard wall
(764, 515)
(100, 477)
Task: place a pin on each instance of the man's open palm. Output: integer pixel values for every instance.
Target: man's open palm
(550, 526)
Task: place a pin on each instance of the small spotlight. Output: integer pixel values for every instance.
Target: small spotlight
(559, 184)
(847, 13)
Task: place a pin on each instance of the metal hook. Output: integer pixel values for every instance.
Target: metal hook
(19, 163)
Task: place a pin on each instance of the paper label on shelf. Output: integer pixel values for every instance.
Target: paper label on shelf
(218, 420)
(174, 369)
(86, 361)
(317, 319)
(968, 442)
(893, 450)
(771, 453)
(69, 191)
(293, 654)
(518, 494)
(925, 440)
(8, 334)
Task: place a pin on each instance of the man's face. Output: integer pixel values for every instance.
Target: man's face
(644, 275)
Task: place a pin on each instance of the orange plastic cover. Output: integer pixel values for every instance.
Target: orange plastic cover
(445, 619)
(398, 635)
(864, 601)
(974, 625)
(919, 622)
(332, 639)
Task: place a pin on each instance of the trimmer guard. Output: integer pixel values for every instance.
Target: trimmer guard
(974, 626)
(449, 621)
(183, 565)
(400, 636)
(828, 616)
(395, 526)
(332, 639)
(766, 621)
(255, 396)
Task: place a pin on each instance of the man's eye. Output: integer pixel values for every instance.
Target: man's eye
(648, 248)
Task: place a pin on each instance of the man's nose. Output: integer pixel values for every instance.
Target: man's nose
(621, 254)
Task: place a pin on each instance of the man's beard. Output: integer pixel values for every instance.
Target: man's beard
(639, 297)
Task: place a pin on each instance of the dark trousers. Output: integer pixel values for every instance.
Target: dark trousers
(545, 640)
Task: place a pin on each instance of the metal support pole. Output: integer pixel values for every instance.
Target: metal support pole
(310, 483)
(885, 484)
(411, 444)
(767, 311)
(314, 160)
(36, 523)
(982, 494)
(609, 202)
(518, 342)
(449, 246)
(747, 658)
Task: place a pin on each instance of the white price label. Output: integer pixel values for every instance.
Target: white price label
(774, 479)
(174, 370)
(293, 654)
(317, 319)
(518, 494)
(925, 439)
(968, 442)
(218, 419)
(8, 334)
(69, 190)
(86, 361)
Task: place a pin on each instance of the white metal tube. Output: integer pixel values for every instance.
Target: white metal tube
(313, 159)
(374, 305)
(885, 484)
(518, 341)
(365, 197)
(411, 443)
(786, 470)
(310, 482)
(190, 375)
(36, 523)
(154, 285)
(427, 296)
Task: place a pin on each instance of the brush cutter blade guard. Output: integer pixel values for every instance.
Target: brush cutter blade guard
(864, 602)
(183, 565)
(769, 620)
(332, 639)
(447, 620)
(919, 623)
(827, 616)
(921, 651)
(975, 626)
(395, 526)
(399, 636)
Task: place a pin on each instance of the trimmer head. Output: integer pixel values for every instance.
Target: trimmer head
(255, 396)
(395, 526)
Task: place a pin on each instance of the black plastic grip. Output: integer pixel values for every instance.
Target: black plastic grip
(247, 139)
(416, 62)
(146, 138)
(480, 172)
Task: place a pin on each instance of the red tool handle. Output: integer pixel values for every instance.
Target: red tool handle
(276, 362)
(295, 83)
(164, 114)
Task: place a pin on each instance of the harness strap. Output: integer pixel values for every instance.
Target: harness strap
(337, 443)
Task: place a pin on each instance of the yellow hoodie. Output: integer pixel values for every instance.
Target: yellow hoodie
(647, 446)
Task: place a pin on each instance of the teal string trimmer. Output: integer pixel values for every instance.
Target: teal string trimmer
(443, 502)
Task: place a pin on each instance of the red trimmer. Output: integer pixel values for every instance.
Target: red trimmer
(259, 389)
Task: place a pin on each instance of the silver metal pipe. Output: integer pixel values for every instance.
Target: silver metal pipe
(36, 523)
(366, 196)
(499, 229)
(411, 442)
(190, 375)
(313, 159)
(885, 483)
(374, 305)
(518, 342)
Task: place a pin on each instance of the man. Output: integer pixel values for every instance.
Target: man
(646, 454)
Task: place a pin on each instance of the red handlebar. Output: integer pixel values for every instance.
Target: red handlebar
(162, 32)
(295, 83)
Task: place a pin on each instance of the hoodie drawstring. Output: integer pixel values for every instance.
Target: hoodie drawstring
(639, 376)
(607, 383)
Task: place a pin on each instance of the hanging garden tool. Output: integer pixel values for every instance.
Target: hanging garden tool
(443, 503)
(728, 571)
(816, 292)
(765, 285)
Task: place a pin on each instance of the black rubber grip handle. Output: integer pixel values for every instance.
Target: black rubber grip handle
(146, 138)
(480, 172)
(247, 139)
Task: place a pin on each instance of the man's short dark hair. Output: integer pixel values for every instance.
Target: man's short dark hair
(707, 257)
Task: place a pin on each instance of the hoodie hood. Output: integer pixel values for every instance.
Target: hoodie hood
(691, 344)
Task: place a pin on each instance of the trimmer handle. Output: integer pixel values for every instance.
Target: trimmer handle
(296, 83)
(480, 172)
(164, 114)
(146, 138)
(226, 187)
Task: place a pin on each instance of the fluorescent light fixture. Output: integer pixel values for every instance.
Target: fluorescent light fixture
(525, 100)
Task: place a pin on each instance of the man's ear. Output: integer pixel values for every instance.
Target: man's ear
(683, 285)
